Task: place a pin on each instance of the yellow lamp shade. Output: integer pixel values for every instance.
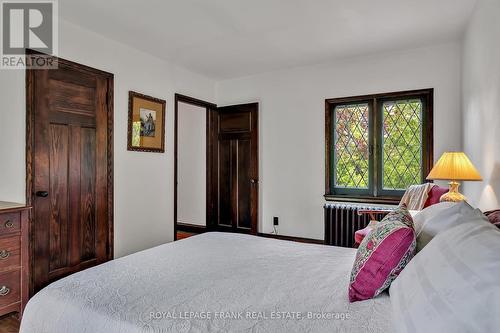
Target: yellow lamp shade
(454, 166)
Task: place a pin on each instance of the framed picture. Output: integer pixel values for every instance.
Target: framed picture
(146, 123)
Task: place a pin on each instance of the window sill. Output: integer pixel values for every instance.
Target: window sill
(359, 199)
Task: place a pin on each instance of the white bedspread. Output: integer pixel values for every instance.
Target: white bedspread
(217, 276)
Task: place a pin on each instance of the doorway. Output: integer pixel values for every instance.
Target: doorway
(216, 167)
(190, 169)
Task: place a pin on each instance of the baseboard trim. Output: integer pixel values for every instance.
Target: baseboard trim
(199, 229)
(292, 238)
(193, 228)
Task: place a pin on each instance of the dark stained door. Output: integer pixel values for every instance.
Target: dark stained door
(234, 184)
(71, 115)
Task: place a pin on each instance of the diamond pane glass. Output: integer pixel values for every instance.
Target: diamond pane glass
(402, 144)
(351, 146)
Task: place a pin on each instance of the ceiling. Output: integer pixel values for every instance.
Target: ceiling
(225, 39)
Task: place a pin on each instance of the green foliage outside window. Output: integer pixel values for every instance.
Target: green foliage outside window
(351, 146)
(401, 145)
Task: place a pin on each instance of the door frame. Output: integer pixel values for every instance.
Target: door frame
(211, 108)
(30, 148)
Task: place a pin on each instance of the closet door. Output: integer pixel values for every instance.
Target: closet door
(71, 174)
(235, 168)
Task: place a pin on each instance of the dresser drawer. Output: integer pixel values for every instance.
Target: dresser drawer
(10, 253)
(9, 222)
(10, 290)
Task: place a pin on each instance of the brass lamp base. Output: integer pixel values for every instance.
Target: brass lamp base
(453, 195)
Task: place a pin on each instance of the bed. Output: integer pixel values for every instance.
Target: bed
(214, 282)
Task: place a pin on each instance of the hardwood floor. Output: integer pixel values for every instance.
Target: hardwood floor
(9, 324)
(181, 235)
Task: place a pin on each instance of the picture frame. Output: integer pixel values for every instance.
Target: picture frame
(146, 123)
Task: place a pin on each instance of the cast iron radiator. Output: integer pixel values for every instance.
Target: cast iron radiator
(342, 221)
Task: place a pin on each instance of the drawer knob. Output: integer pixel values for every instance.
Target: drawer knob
(9, 224)
(4, 291)
(4, 254)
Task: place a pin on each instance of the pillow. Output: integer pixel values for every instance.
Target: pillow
(494, 217)
(452, 284)
(434, 195)
(400, 214)
(382, 254)
(427, 213)
(457, 213)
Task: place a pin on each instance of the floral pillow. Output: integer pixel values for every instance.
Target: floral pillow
(382, 255)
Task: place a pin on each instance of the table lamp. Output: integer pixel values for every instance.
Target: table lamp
(454, 166)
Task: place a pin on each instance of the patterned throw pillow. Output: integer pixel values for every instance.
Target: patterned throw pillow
(382, 255)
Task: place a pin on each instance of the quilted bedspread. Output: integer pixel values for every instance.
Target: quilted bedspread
(214, 282)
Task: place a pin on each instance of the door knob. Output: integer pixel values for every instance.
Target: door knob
(42, 194)
(254, 181)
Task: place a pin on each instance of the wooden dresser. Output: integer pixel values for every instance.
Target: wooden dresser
(14, 261)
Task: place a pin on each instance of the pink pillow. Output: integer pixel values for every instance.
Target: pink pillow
(361, 234)
(382, 255)
(434, 195)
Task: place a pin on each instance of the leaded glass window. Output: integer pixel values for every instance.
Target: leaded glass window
(351, 146)
(378, 145)
(402, 144)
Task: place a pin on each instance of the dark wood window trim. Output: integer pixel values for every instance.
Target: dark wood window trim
(374, 102)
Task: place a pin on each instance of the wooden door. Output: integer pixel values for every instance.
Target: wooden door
(234, 183)
(69, 169)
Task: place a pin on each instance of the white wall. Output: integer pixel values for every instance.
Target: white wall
(292, 122)
(12, 136)
(481, 103)
(143, 181)
(192, 164)
(291, 127)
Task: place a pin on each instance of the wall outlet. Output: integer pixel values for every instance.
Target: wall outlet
(275, 220)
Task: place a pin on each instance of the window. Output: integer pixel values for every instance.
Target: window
(378, 145)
